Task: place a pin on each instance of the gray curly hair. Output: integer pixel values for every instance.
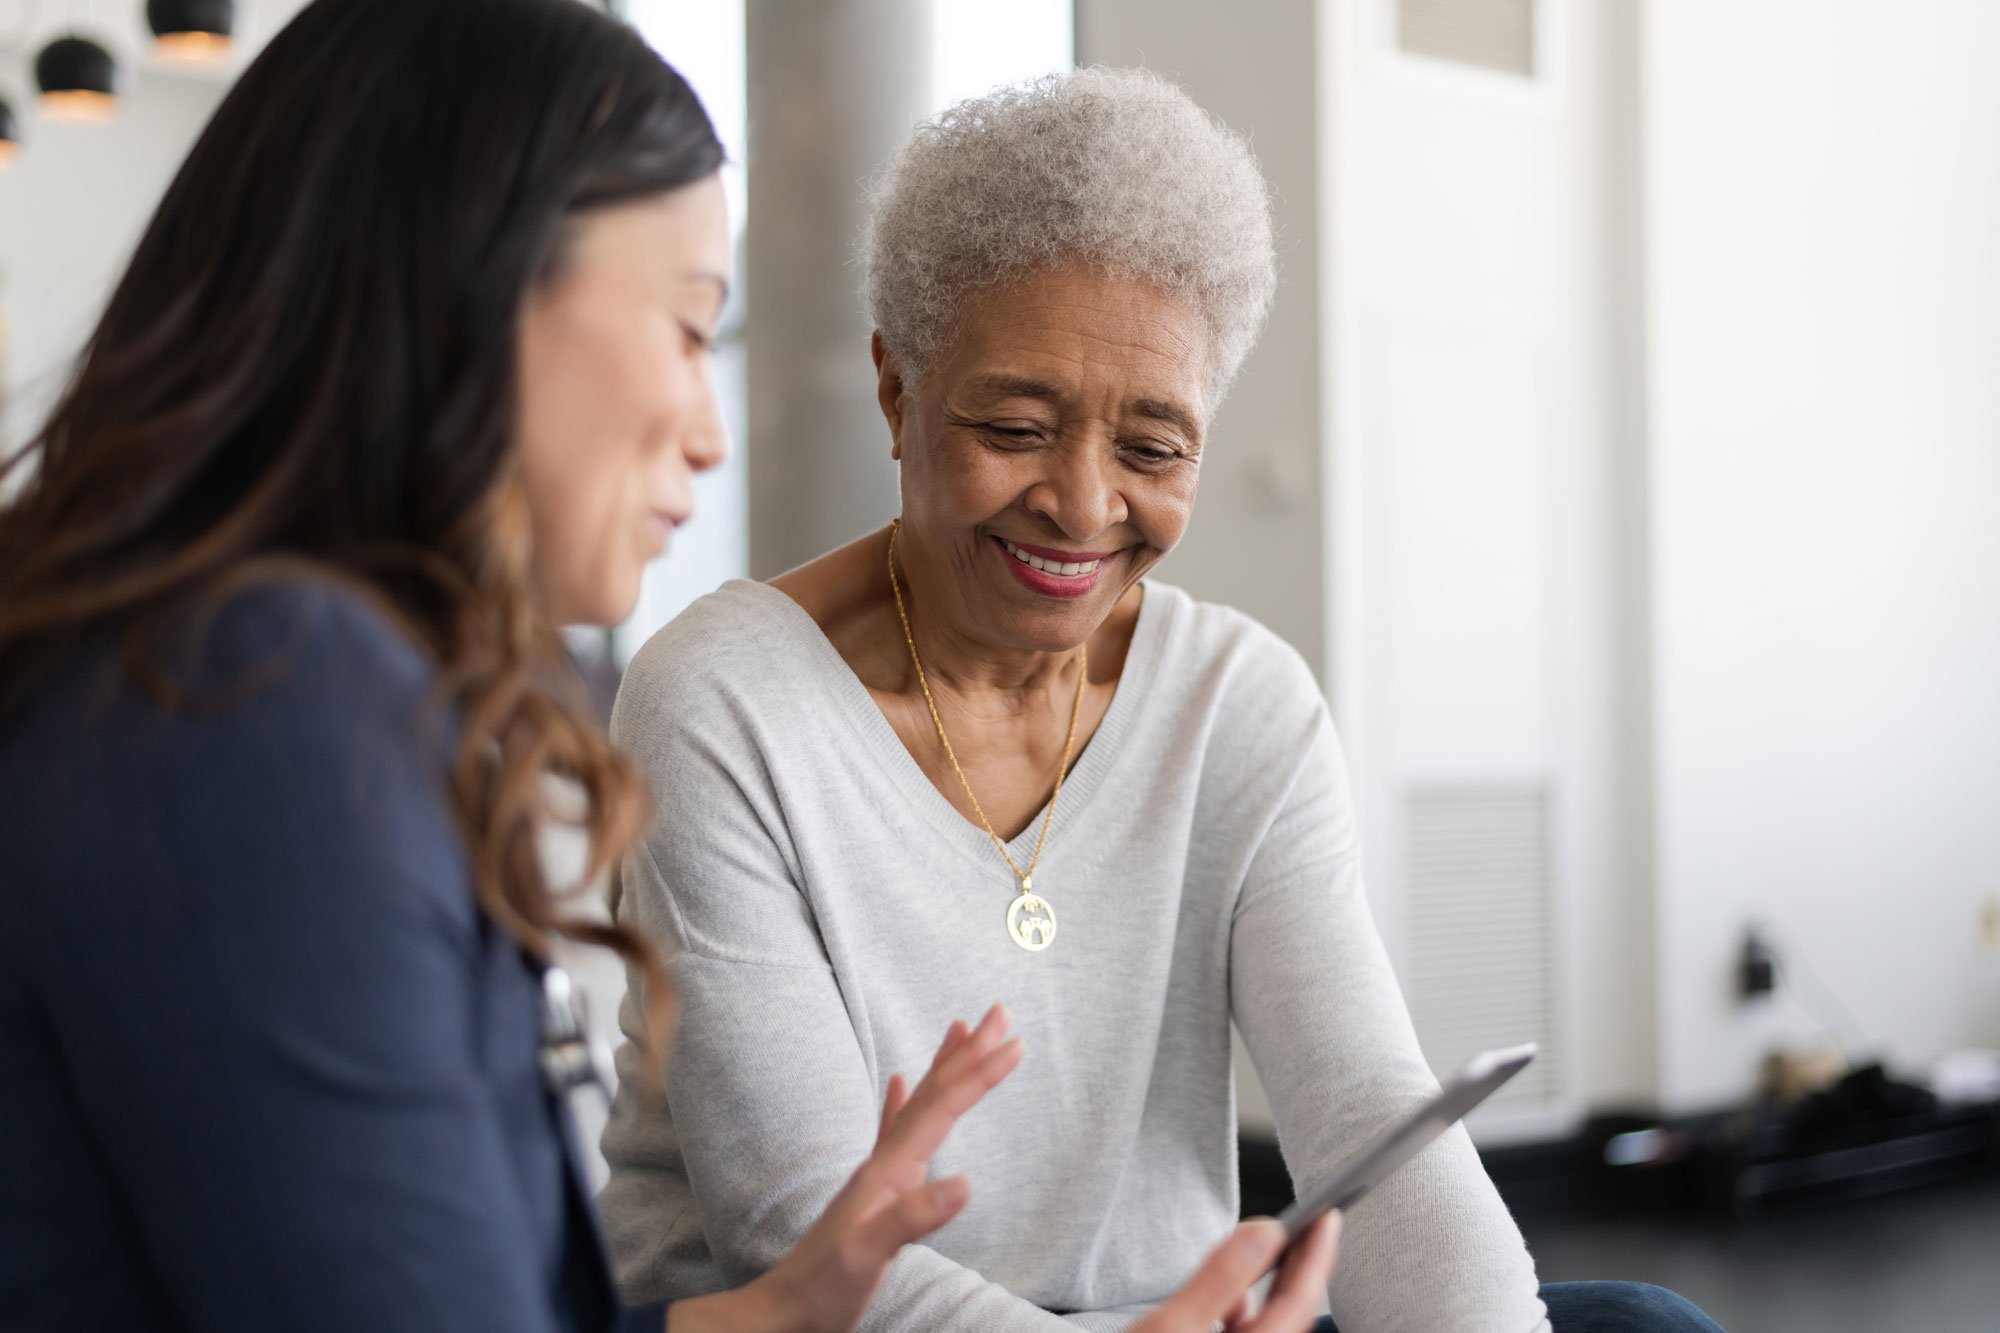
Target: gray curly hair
(1115, 169)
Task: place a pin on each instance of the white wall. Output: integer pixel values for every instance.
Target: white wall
(73, 204)
(1663, 463)
(1823, 225)
(1477, 429)
(71, 208)
(705, 44)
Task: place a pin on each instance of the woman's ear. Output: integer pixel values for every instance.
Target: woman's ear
(888, 391)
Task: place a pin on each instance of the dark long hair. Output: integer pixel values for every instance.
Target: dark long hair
(310, 364)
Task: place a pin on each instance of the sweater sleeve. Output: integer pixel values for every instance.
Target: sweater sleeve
(769, 1104)
(1434, 1249)
(271, 1023)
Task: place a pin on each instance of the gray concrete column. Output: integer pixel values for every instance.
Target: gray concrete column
(835, 86)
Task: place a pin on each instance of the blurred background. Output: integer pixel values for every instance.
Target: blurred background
(1624, 453)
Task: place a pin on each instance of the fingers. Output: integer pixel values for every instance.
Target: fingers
(962, 1074)
(954, 1037)
(992, 1027)
(969, 1064)
(893, 1101)
(898, 1094)
(1218, 1288)
(1302, 1277)
(957, 1086)
(915, 1214)
(886, 1203)
(955, 1057)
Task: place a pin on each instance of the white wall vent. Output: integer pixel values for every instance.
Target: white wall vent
(1494, 35)
(1480, 956)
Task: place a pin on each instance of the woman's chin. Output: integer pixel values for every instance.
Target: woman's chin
(618, 611)
(1051, 626)
(608, 602)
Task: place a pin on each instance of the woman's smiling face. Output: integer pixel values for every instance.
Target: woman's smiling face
(1050, 457)
(617, 409)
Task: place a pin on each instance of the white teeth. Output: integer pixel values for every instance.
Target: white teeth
(1070, 570)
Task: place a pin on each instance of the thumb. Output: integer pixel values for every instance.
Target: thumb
(1228, 1272)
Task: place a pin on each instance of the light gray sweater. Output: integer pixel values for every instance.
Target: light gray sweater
(829, 912)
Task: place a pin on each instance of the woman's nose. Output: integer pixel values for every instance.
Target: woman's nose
(707, 439)
(1080, 494)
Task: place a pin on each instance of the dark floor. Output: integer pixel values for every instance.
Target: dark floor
(1927, 1261)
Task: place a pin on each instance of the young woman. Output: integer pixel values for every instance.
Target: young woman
(409, 368)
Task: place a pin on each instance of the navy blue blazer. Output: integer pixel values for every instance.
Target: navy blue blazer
(263, 1063)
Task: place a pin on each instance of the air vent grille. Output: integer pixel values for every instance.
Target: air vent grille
(1496, 35)
(1480, 965)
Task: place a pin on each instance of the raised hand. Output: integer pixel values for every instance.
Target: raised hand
(825, 1283)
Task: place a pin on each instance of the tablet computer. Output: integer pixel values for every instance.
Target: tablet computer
(1479, 1079)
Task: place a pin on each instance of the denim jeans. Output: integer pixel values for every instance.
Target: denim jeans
(1612, 1307)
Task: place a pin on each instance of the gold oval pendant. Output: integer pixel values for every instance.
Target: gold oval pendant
(1032, 922)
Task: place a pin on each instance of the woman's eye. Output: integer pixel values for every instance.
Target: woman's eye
(1153, 456)
(1015, 434)
(698, 342)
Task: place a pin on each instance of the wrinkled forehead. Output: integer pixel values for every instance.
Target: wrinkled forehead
(1080, 342)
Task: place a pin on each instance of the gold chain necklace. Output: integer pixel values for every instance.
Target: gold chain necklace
(1031, 922)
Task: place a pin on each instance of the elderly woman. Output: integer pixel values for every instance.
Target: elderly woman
(980, 754)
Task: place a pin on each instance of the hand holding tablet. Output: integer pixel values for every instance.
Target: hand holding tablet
(1301, 1244)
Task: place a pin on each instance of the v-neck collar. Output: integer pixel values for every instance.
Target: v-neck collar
(900, 767)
